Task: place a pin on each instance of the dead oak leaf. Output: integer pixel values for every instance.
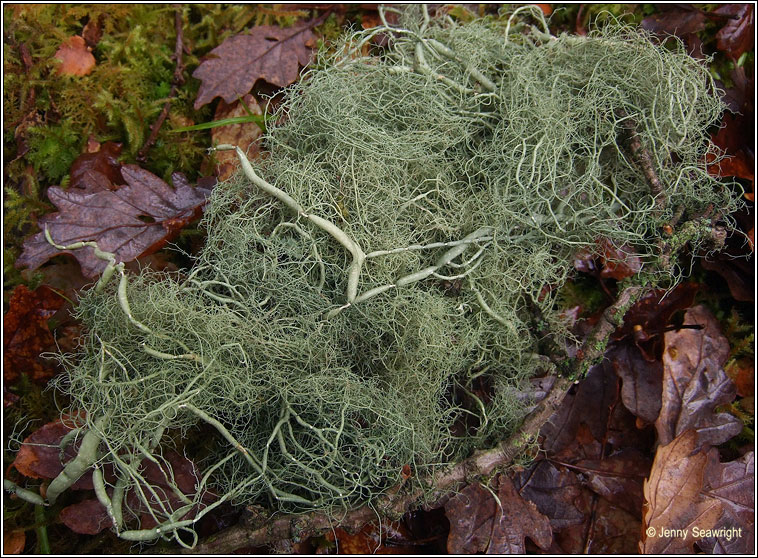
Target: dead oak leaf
(695, 383)
(732, 483)
(134, 220)
(479, 524)
(676, 509)
(39, 456)
(738, 35)
(245, 136)
(26, 334)
(75, 57)
(268, 52)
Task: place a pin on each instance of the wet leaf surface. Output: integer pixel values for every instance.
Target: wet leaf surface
(694, 382)
(267, 52)
(738, 35)
(99, 169)
(75, 57)
(131, 221)
(26, 335)
(479, 524)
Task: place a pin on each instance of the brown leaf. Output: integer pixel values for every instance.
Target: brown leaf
(245, 136)
(614, 531)
(134, 220)
(371, 539)
(586, 405)
(87, 517)
(737, 36)
(640, 380)
(267, 52)
(479, 524)
(14, 541)
(98, 170)
(645, 322)
(26, 334)
(733, 484)
(676, 20)
(557, 493)
(39, 456)
(75, 57)
(93, 31)
(608, 261)
(617, 478)
(694, 382)
(675, 506)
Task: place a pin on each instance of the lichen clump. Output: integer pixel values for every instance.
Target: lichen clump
(466, 165)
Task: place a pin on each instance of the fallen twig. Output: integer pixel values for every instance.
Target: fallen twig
(251, 531)
(176, 82)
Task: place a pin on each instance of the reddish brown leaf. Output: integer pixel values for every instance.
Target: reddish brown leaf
(14, 541)
(675, 506)
(479, 524)
(694, 382)
(645, 322)
(87, 517)
(93, 31)
(39, 456)
(245, 136)
(76, 58)
(267, 52)
(608, 261)
(26, 334)
(371, 539)
(134, 220)
(742, 373)
(98, 170)
(678, 20)
(738, 35)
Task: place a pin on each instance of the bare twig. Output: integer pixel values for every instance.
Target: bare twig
(176, 82)
(642, 157)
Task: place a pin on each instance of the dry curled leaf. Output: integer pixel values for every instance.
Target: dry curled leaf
(26, 334)
(479, 524)
(694, 382)
(75, 57)
(676, 508)
(268, 52)
(134, 220)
